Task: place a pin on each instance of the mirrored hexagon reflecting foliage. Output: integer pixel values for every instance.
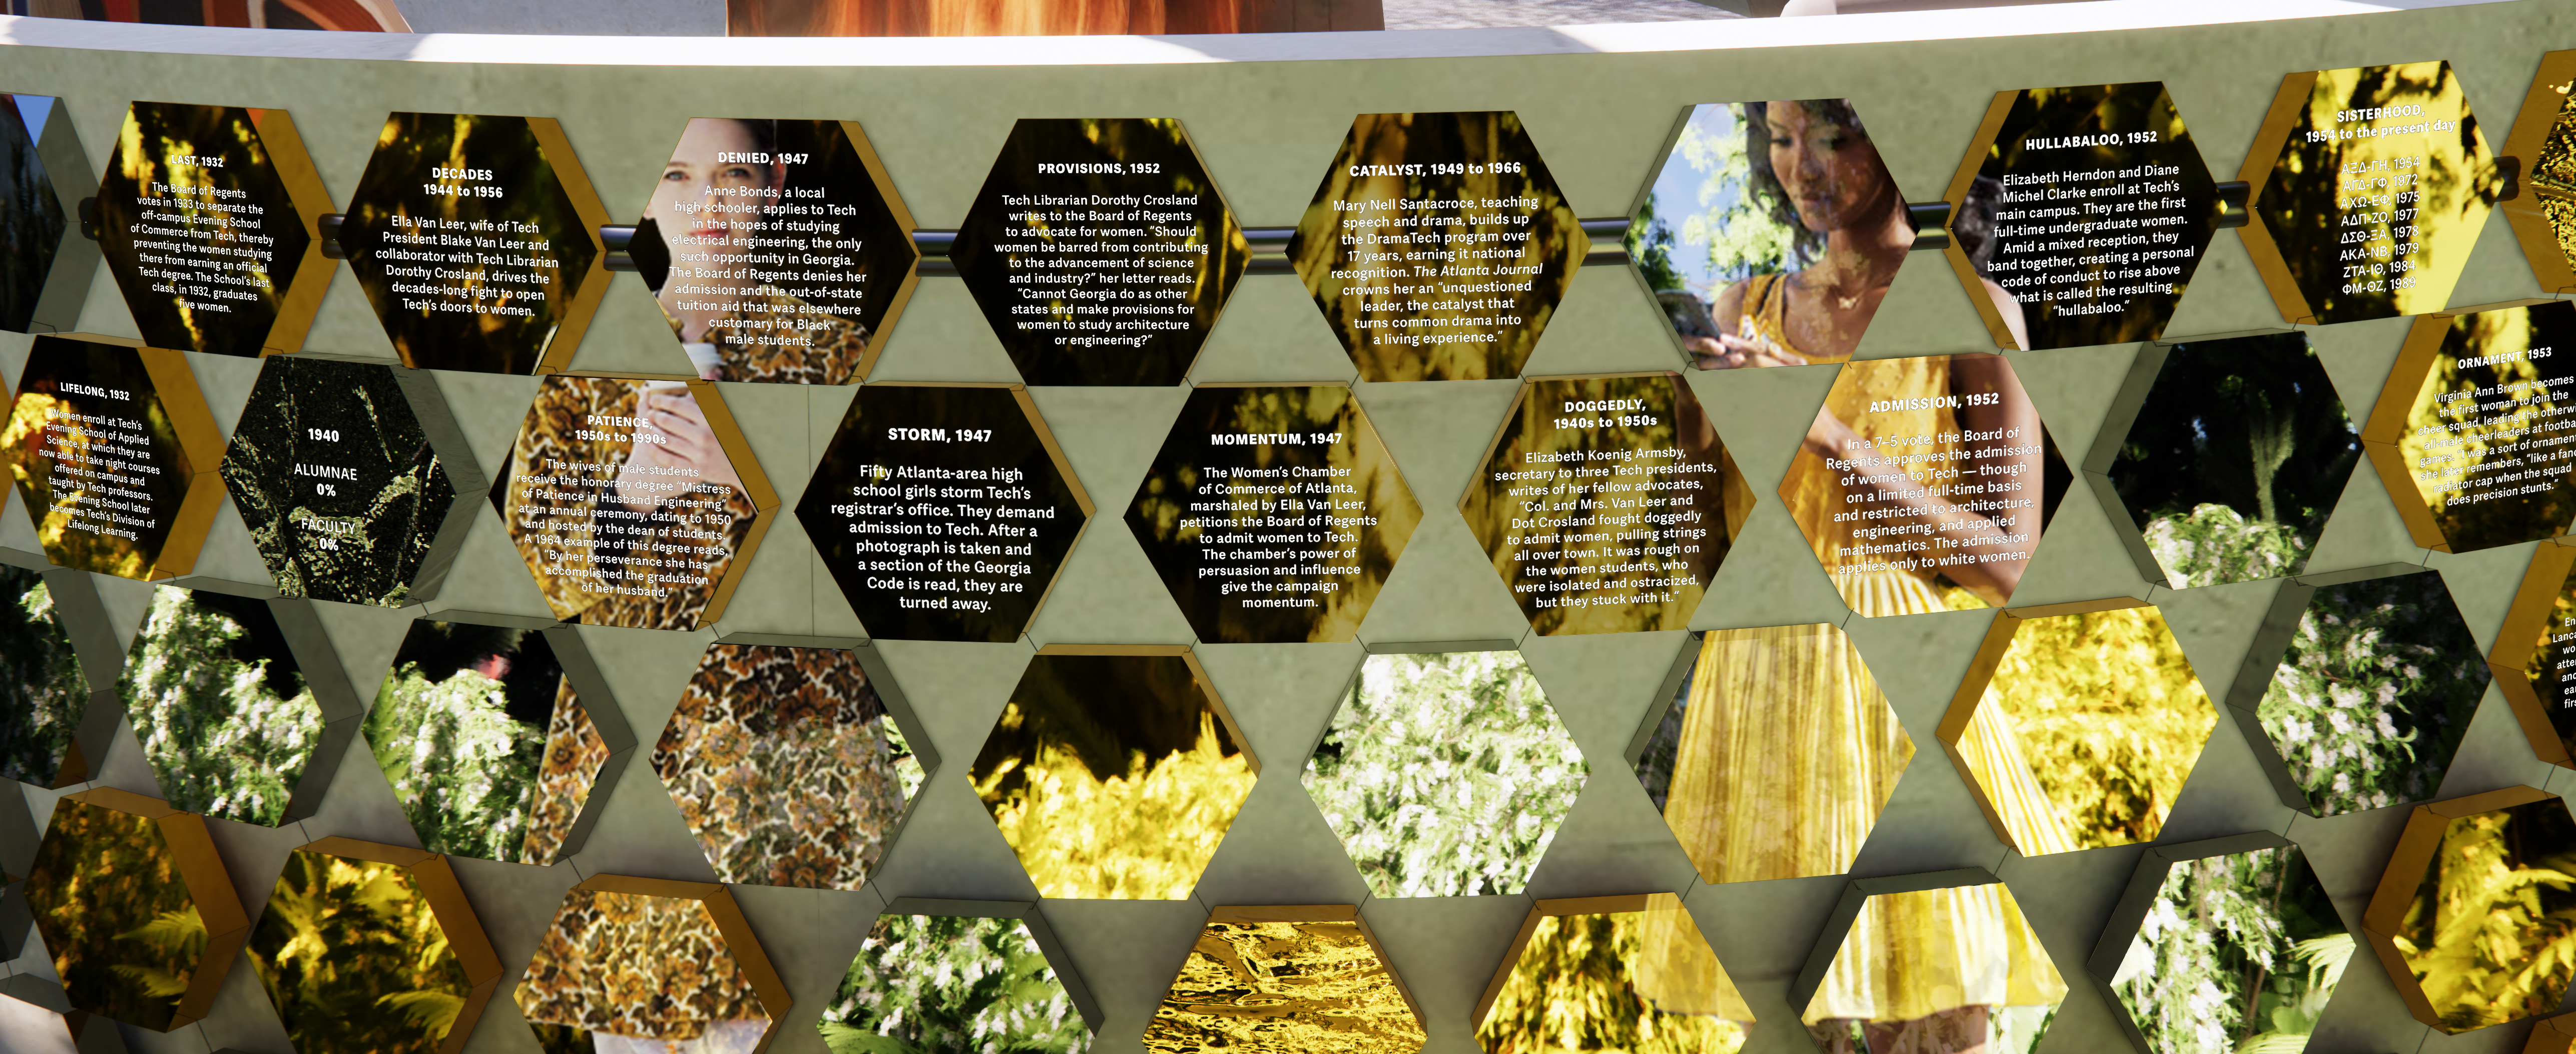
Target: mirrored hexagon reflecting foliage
(2077, 724)
(222, 709)
(489, 749)
(1114, 772)
(1730, 229)
(2370, 186)
(2223, 945)
(1775, 757)
(1925, 483)
(634, 964)
(1612, 973)
(1488, 245)
(1100, 251)
(2238, 453)
(1445, 774)
(368, 948)
(1607, 503)
(1273, 514)
(1279, 980)
(788, 253)
(2109, 163)
(1941, 963)
(787, 766)
(2373, 694)
(337, 470)
(47, 734)
(2472, 429)
(209, 218)
(136, 908)
(114, 455)
(44, 272)
(944, 512)
(2544, 214)
(2475, 919)
(2534, 659)
(958, 975)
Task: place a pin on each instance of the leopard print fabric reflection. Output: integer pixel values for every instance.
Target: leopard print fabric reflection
(829, 355)
(574, 753)
(633, 965)
(784, 763)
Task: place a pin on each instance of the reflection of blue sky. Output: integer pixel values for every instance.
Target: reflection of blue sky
(32, 110)
(1685, 178)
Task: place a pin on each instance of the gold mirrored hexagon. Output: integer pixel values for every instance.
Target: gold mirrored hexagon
(635, 502)
(367, 948)
(1928, 964)
(348, 475)
(2471, 430)
(1925, 483)
(55, 726)
(1780, 180)
(2079, 214)
(488, 744)
(476, 239)
(1774, 755)
(210, 220)
(1611, 973)
(1287, 980)
(787, 253)
(1438, 246)
(1445, 773)
(1606, 503)
(1273, 513)
(2077, 724)
(2552, 1035)
(941, 975)
(44, 172)
(1100, 251)
(2544, 214)
(2223, 944)
(115, 457)
(788, 766)
(2370, 185)
(223, 710)
(136, 907)
(2534, 659)
(1114, 771)
(944, 511)
(651, 962)
(2474, 917)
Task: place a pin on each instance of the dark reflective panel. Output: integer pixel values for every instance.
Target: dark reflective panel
(2369, 705)
(2471, 433)
(36, 143)
(44, 698)
(135, 908)
(488, 749)
(204, 221)
(372, 949)
(114, 457)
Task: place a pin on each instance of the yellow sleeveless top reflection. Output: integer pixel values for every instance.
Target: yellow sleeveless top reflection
(1814, 492)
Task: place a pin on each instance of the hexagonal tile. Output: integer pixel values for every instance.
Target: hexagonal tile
(2370, 185)
(2237, 453)
(2533, 652)
(2077, 724)
(2223, 944)
(2373, 693)
(1931, 962)
(1286, 979)
(787, 766)
(1445, 774)
(2544, 214)
(1776, 754)
(1468, 302)
(2031, 179)
(1209, 513)
(944, 512)
(631, 963)
(1114, 771)
(789, 253)
(487, 743)
(135, 906)
(635, 503)
(1606, 503)
(1728, 231)
(44, 275)
(1925, 483)
(209, 218)
(476, 239)
(959, 975)
(1612, 973)
(368, 947)
(222, 710)
(47, 734)
(2466, 469)
(2473, 918)
(1081, 216)
(345, 474)
(114, 455)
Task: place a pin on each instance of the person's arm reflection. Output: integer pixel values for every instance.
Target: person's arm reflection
(690, 444)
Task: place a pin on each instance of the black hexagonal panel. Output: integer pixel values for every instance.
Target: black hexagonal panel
(114, 455)
(44, 273)
(207, 218)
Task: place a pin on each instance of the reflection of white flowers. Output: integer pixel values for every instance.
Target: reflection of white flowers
(2215, 544)
(2377, 687)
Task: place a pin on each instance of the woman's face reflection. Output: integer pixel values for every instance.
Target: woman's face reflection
(688, 201)
(1832, 174)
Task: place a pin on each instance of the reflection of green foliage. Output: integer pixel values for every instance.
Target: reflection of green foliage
(115, 913)
(1574, 989)
(2491, 935)
(354, 959)
(223, 717)
(2110, 716)
(137, 431)
(1445, 775)
(35, 228)
(2515, 414)
(2236, 953)
(1650, 243)
(941, 985)
(2376, 693)
(43, 695)
(461, 766)
(1742, 236)
(365, 543)
(2213, 544)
